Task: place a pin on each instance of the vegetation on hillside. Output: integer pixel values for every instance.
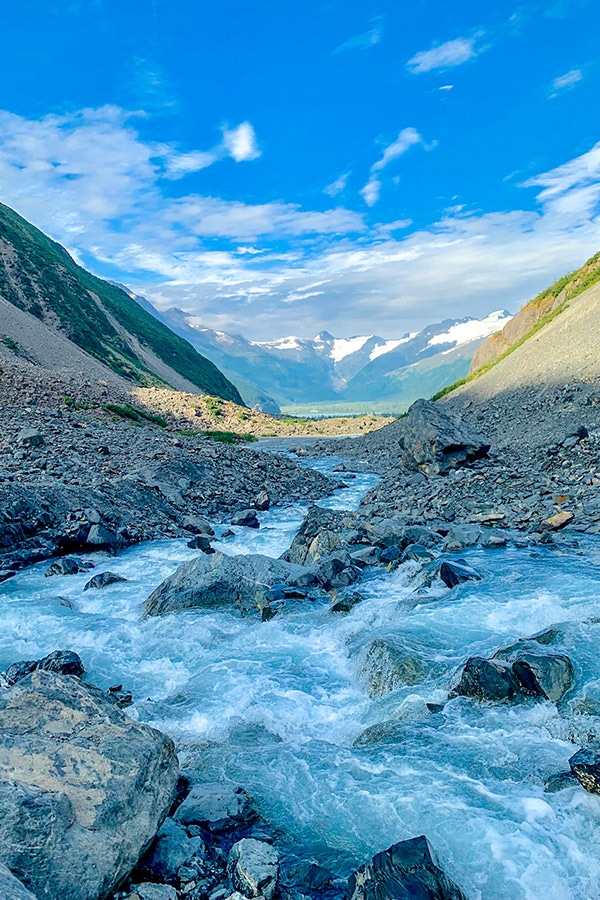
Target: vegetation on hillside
(38, 276)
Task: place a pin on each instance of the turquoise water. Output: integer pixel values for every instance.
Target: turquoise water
(471, 778)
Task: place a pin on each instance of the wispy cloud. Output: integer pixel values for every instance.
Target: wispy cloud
(407, 138)
(447, 55)
(238, 143)
(365, 40)
(565, 82)
(336, 187)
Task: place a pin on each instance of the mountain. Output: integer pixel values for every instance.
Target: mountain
(38, 277)
(327, 369)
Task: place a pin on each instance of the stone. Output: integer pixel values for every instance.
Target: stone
(171, 849)
(453, 573)
(262, 501)
(367, 556)
(487, 679)
(216, 807)
(560, 520)
(201, 542)
(460, 537)
(103, 579)
(62, 662)
(515, 673)
(544, 675)
(416, 553)
(585, 766)
(253, 867)
(68, 565)
(11, 888)
(30, 438)
(317, 520)
(325, 543)
(391, 554)
(83, 788)
(406, 871)
(150, 891)
(344, 603)
(102, 538)
(387, 667)
(198, 525)
(438, 441)
(219, 581)
(337, 570)
(492, 541)
(246, 518)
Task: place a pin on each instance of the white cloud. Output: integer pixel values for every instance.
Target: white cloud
(365, 40)
(446, 87)
(407, 138)
(565, 82)
(336, 187)
(240, 142)
(445, 56)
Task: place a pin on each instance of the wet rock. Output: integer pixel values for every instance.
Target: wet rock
(560, 520)
(387, 666)
(171, 849)
(559, 782)
(416, 553)
(488, 679)
(391, 554)
(83, 788)
(544, 675)
(585, 766)
(103, 579)
(317, 520)
(460, 537)
(262, 501)
(453, 573)
(62, 662)
(228, 533)
(492, 541)
(216, 807)
(311, 876)
(517, 676)
(325, 543)
(337, 570)
(198, 525)
(101, 538)
(122, 698)
(30, 438)
(344, 602)
(201, 542)
(439, 441)
(68, 565)
(406, 871)
(253, 867)
(11, 888)
(367, 556)
(150, 891)
(219, 581)
(246, 518)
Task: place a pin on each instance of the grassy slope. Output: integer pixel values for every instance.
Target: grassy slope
(569, 286)
(45, 281)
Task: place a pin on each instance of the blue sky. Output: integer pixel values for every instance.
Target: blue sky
(279, 168)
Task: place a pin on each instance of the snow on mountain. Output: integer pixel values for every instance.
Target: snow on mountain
(472, 329)
(388, 346)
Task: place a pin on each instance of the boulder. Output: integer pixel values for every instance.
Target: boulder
(216, 807)
(547, 675)
(262, 501)
(201, 542)
(30, 438)
(585, 766)
(62, 662)
(559, 520)
(488, 679)
(253, 867)
(366, 556)
(438, 441)
(68, 565)
(151, 891)
(219, 581)
(387, 666)
(246, 518)
(101, 538)
(391, 554)
(11, 888)
(453, 573)
(103, 579)
(171, 849)
(83, 788)
(460, 537)
(517, 676)
(337, 570)
(406, 871)
(198, 525)
(416, 553)
(317, 520)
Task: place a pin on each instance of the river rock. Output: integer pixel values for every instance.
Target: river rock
(559, 520)
(62, 662)
(103, 579)
(11, 888)
(171, 849)
(216, 807)
(198, 525)
(387, 666)
(438, 441)
(406, 871)
(30, 438)
(416, 553)
(317, 520)
(453, 573)
(337, 571)
(544, 675)
(83, 788)
(517, 676)
(219, 581)
(100, 537)
(151, 891)
(487, 679)
(201, 542)
(262, 501)
(253, 867)
(460, 537)
(585, 766)
(366, 556)
(68, 565)
(246, 518)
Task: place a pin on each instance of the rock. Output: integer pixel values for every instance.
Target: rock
(387, 666)
(150, 891)
(103, 579)
(262, 501)
(367, 556)
(68, 565)
(406, 871)
(416, 553)
(317, 520)
(344, 603)
(391, 554)
(122, 698)
(492, 541)
(101, 538)
(325, 543)
(171, 849)
(453, 573)
(559, 782)
(216, 807)
(83, 788)
(219, 581)
(560, 520)
(30, 438)
(388, 533)
(488, 679)
(311, 876)
(227, 534)
(585, 766)
(439, 441)
(460, 537)
(11, 888)
(198, 525)
(544, 675)
(201, 542)
(337, 570)
(62, 662)
(253, 867)
(246, 518)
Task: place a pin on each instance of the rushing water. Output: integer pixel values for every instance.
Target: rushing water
(276, 706)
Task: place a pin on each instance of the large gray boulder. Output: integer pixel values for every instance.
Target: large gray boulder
(11, 888)
(437, 441)
(216, 807)
(253, 867)
(323, 531)
(219, 582)
(406, 871)
(517, 676)
(83, 788)
(386, 666)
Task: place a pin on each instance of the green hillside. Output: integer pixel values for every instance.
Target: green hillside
(38, 276)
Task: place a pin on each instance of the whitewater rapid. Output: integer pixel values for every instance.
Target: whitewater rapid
(276, 706)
